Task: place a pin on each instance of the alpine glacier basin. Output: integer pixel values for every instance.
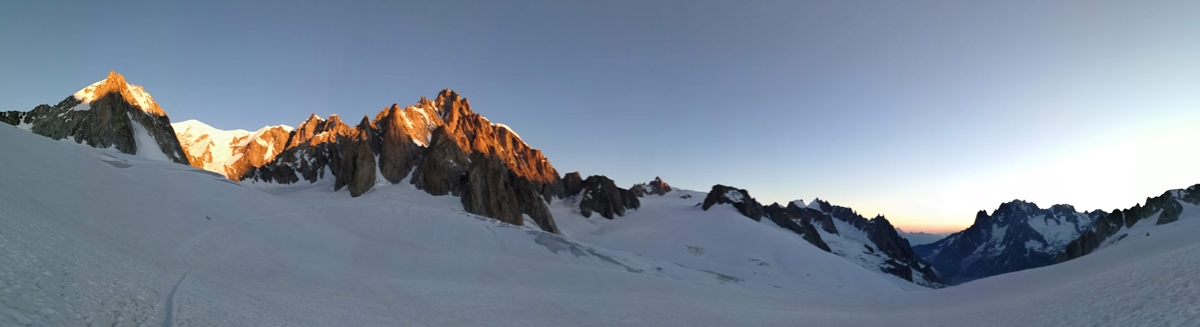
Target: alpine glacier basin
(96, 236)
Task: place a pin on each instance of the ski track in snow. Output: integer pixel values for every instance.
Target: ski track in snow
(181, 252)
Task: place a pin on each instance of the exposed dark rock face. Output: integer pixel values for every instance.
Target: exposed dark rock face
(739, 198)
(358, 163)
(114, 116)
(629, 199)
(1108, 228)
(443, 168)
(489, 191)
(809, 215)
(1018, 235)
(11, 117)
(602, 196)
(398, 151)
(656, 187)
(572, 184)
(532, 204)
(783, 217)
(889, 242)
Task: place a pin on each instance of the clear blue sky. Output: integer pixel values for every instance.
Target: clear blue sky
(923, 111)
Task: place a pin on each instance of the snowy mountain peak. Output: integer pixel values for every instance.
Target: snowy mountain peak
(115, 83)
(819, 205)
(798, 203)
(1017, 235)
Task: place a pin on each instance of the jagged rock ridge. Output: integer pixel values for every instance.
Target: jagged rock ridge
(873, 243)
(442, 146)
(109, 113)
(599, 194)
(655, 187)
(1108, 229)
(1017, 235)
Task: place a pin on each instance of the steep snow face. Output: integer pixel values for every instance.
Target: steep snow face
(147, 146)
(144, 242)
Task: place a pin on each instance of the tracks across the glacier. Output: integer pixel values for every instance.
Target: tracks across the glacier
(181, 251)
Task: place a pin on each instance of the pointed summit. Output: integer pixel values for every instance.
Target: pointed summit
(115, 83)
(114, 78)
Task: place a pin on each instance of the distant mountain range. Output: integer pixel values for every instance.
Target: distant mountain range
(921, 238)
(443, 147)
(1016, 236)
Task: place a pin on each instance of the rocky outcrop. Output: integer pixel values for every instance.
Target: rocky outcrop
(532, 203)
(882, 242)
(489, 191)
(656, 187)
(357, 170)
(11, 117)
(443, 168)
(810, 215)
(572, 184)
(1108, 228)
(398, 150)
(108, 113)
(784, 218)
(601, 195)
(739, 198)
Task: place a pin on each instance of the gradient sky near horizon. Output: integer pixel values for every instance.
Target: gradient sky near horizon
(924, 111)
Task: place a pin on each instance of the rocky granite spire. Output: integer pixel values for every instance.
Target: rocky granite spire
(441, 146)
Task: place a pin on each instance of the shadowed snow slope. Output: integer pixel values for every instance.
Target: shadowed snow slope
(95, 237)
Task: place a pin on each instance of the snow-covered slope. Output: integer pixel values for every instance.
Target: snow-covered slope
(1165, 211)
(871, 243)
(97, 237)
(672, 227)
(230, 152)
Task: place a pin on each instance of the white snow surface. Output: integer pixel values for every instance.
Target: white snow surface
(147, 146)
(199, 137)
(96, 237)
(734, 196)
(1057, 230)
(510, 130)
